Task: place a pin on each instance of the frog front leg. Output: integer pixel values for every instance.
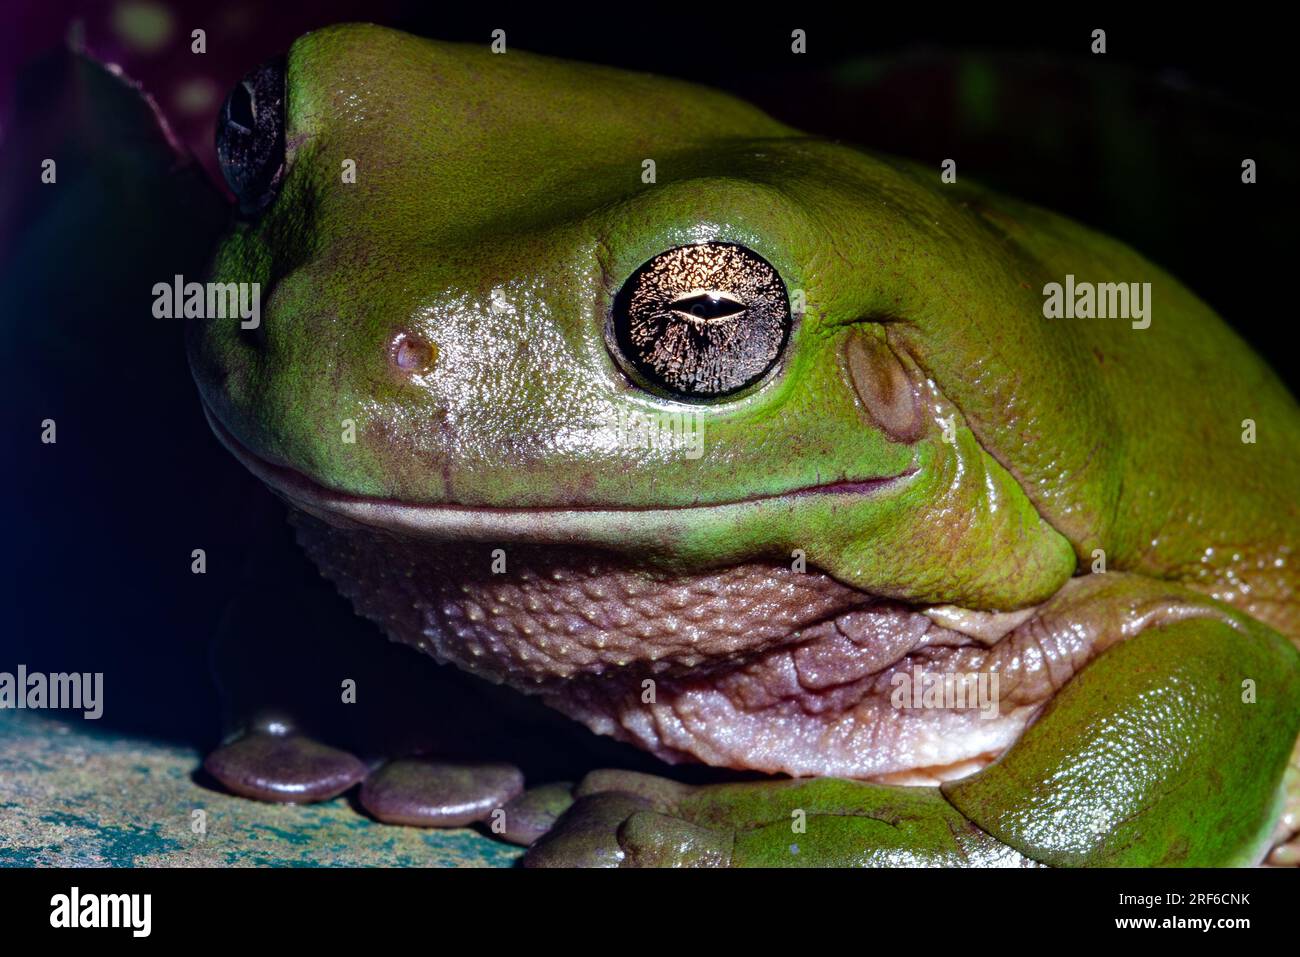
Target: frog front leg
(1168, 749)
(626, 819)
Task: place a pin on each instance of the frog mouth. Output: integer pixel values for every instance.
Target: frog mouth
(625, 527)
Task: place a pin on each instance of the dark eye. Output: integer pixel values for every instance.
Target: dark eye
(250, 137)
(702, 321)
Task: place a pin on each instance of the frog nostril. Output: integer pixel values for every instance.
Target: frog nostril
(412, 355)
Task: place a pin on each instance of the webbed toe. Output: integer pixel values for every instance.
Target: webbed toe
(587, 834)
(533, 813)
(286, 768)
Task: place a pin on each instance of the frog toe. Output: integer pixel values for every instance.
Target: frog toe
(423, 793)
(533, 813)
(652, 839)
(661, 793)
(628, 819)
(285, 767)
(587, 834)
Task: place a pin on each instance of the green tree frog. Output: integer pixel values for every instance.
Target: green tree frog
(759, 451)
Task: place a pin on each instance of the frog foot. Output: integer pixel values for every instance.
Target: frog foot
(628, 819)
(274, 762)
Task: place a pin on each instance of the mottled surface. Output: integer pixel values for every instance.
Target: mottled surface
(71, 796)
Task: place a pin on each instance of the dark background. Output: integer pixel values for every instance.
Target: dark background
(1144, 143)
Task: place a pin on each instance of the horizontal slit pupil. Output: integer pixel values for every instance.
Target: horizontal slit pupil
(707, 306)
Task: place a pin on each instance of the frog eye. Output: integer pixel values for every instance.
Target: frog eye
(701, 321)
(250, 136)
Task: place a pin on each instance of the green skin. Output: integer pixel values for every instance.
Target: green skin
(523, 175)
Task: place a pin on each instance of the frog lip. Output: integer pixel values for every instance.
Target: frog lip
(554, 524)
